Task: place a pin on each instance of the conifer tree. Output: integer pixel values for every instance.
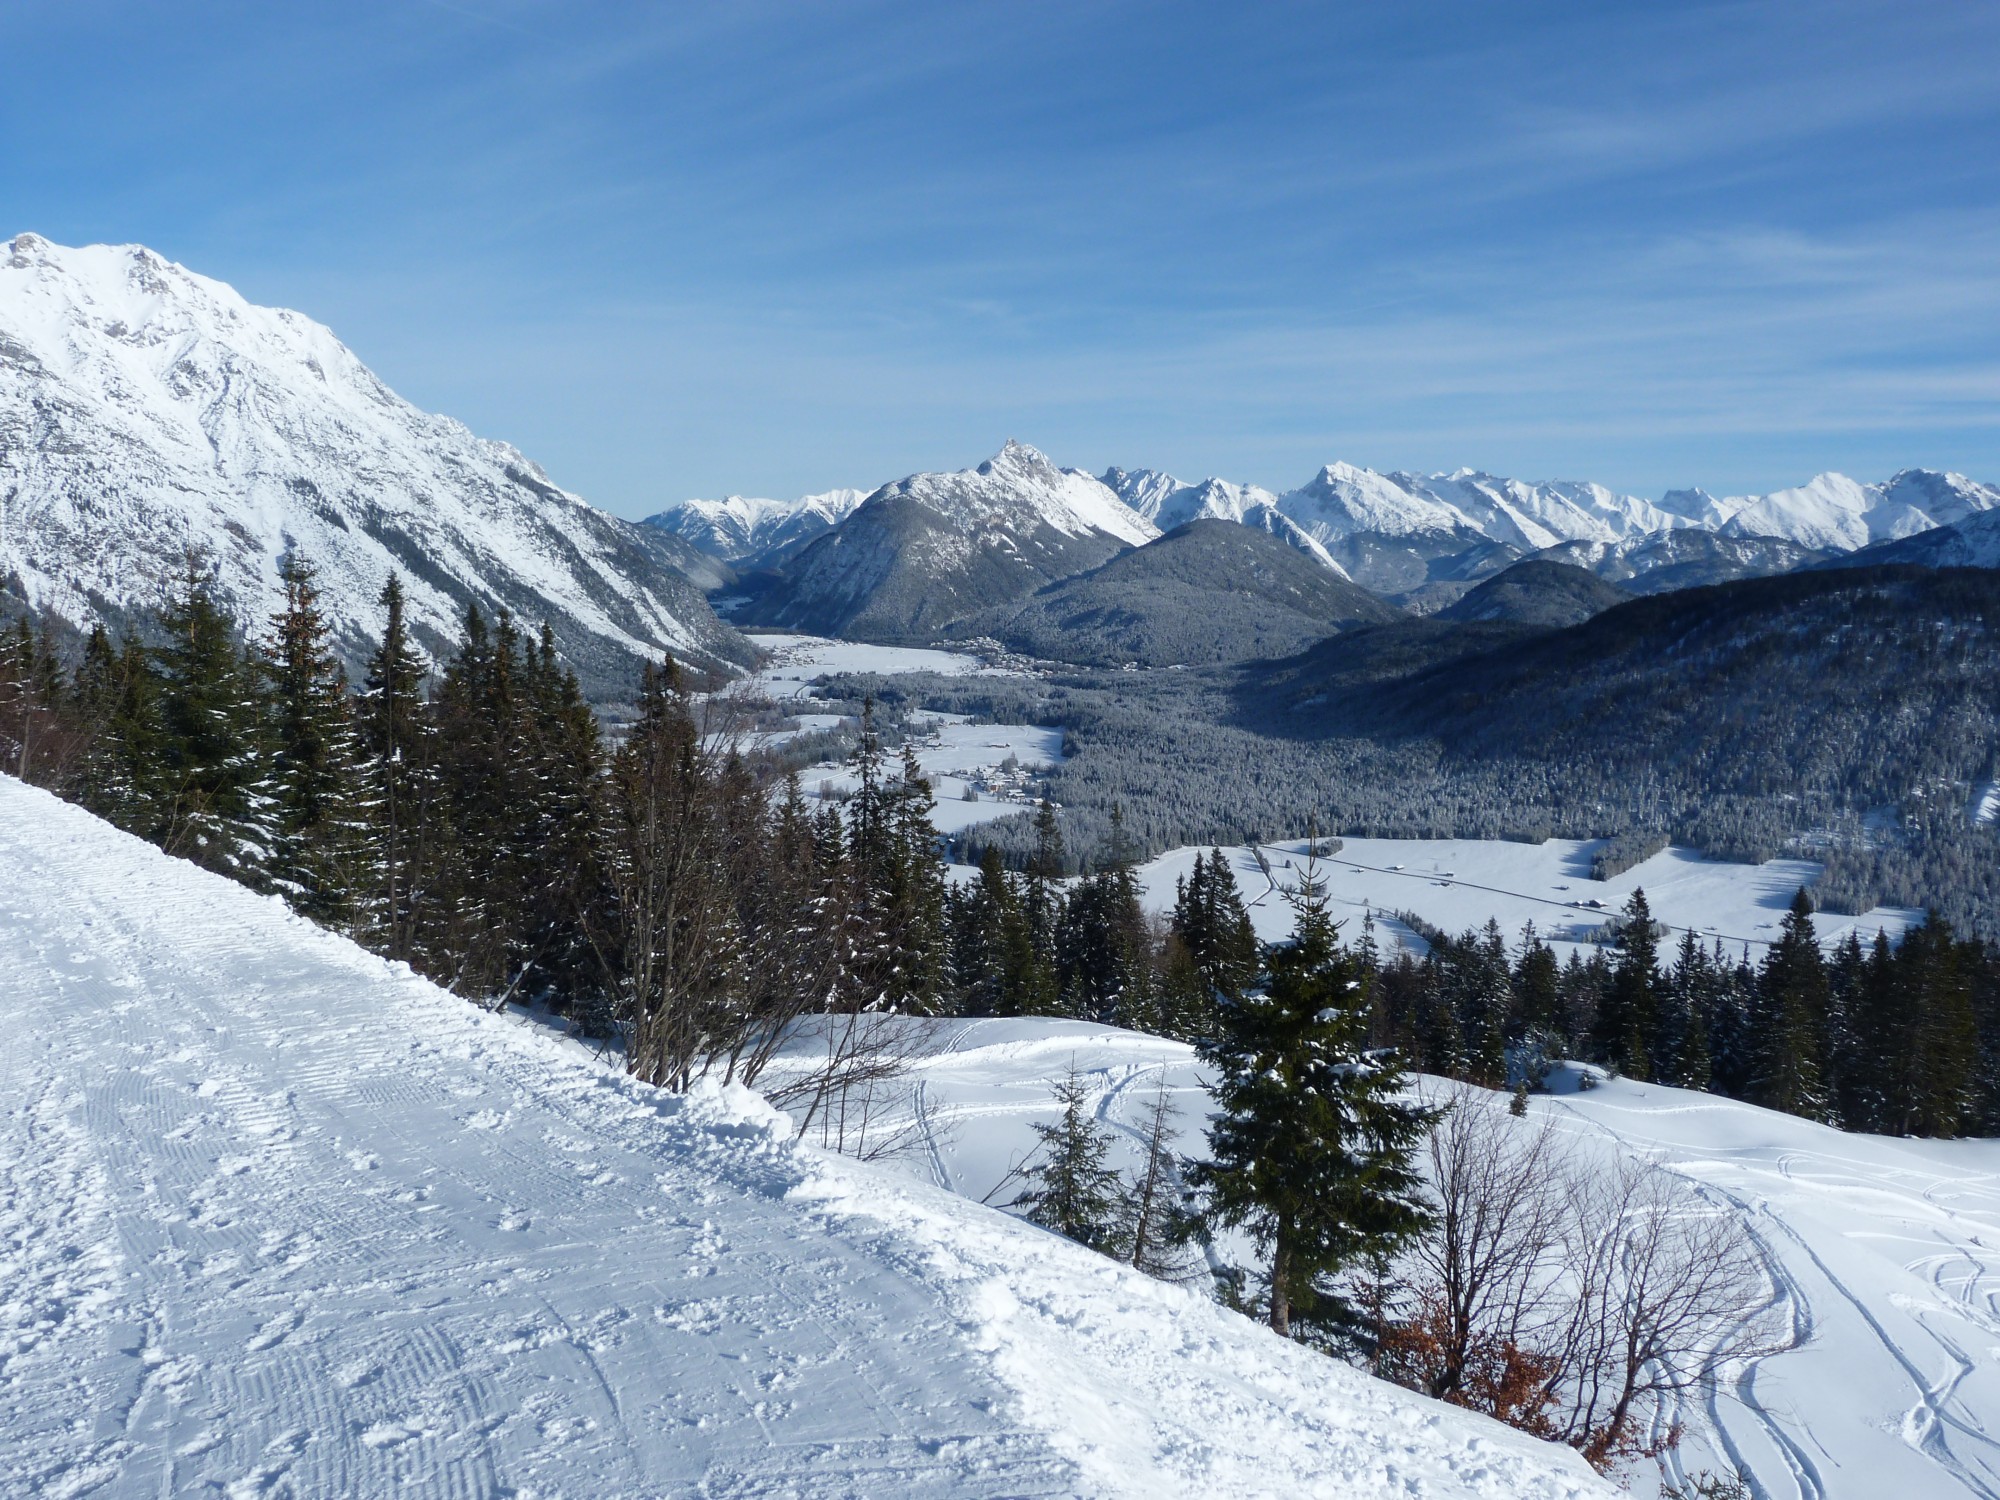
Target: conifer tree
(1312, 1149)
(209, 800)
(1789, 1018)
(1156, 1221)
(1071, 1188)
(1629, 1021)
(1936, 1088)
(316, 854)
(399, 774)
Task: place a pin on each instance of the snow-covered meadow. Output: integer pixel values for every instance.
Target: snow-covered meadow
(997, 763)
(280, 1217)
(1455, 884)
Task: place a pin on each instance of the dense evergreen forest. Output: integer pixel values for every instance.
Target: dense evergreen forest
(1845, 717)
(686, 900)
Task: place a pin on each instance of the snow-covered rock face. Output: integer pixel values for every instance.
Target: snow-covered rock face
(1017, 489)
(146, 410)
(1837, 512)
(755, 532)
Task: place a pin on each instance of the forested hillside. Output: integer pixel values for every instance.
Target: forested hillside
(1849, 716)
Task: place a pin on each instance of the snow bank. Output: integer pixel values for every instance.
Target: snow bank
(282, 1218)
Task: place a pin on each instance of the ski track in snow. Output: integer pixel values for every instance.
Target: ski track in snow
(282, 1219)
(1878, 1253)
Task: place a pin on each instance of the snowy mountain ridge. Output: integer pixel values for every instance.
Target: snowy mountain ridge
(1020, 483)
(146, 410)
(744, 529)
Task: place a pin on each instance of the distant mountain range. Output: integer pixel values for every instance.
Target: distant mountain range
(1418, 540)
(146, 410)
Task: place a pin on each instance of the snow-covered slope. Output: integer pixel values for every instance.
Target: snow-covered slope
(1167, 503)
(753, 532)
(1970, 543)
(279, 1218)
(145, 410)
(936, 548)
(1879, 1252)
(1834, 511)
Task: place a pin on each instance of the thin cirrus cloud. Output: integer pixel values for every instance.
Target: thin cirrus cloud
(774, 247)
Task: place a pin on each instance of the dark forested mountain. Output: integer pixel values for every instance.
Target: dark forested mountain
(1207, 591)
(932, 549)
(1538, 593)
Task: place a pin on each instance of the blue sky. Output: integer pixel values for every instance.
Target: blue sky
(678, 250)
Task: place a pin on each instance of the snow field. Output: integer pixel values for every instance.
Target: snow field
(1883, 1255)
(281, 1217)
(954, 756)
(1459, 883)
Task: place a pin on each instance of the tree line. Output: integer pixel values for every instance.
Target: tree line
(1897, 1039)
(472, 818)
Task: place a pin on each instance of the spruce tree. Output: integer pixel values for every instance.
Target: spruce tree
(1789, 1019)
(1312, 1149)
(317, 851)
(399, 776)
(1070, 1186)
(1629, 1022)
(208, 799)
(1936, 1083)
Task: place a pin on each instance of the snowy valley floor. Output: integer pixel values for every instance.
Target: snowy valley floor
(279, 1218)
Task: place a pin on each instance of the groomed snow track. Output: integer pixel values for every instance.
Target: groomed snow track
(280, 1218)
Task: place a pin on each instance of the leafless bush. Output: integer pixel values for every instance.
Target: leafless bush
(1567, 1294)
(850, 1098)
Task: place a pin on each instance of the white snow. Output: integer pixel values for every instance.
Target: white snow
(1885, 1254)
(145, 409)
(1459, 883)
(1018, 485)
(739, 526)
(1831, 511)
(281, 1218)
(796, 662)
(1985, 804)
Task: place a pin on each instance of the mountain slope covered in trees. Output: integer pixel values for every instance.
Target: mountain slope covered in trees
(1207, 591)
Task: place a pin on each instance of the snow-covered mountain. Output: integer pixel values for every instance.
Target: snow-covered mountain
(1167, 503)
(1973, 542)
(146, 410)
(753, 533)
(1419, 536)
(281, 1218)
(934, 548)
(1839, 513)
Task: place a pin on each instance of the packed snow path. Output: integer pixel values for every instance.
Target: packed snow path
(281, 1219)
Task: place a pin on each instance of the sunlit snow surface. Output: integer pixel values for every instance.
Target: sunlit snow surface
(1883, 1255)
(952, 753)
(280, 1218)
(1459, 883)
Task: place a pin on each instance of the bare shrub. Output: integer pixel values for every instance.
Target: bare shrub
(1567, 1294)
